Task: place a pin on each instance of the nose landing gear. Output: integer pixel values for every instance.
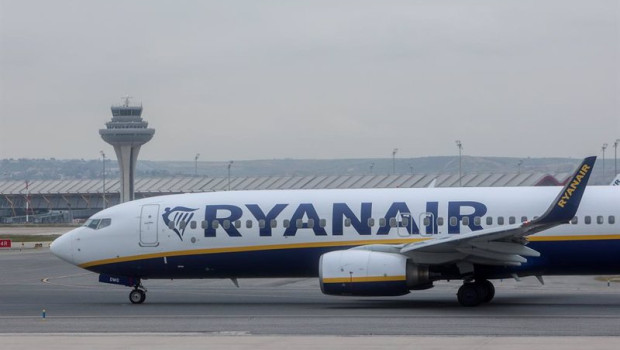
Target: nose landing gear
(138, 294)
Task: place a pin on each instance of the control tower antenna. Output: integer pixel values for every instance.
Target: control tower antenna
(126, 100)
(127, 132)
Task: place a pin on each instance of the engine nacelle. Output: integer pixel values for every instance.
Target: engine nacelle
(369, 273)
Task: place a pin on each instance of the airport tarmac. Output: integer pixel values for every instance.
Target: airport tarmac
(75, 302)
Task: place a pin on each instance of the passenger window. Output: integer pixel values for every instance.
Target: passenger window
(600, 220)
(171, 225)
(286, 223)
(406, 221)
(347, 222)
(392, 222)
(105, 223)
(477, 220)
(611, 219)
(310, 223)
(193, 225)
(574, 221)
(261, 223)
(226, 224)
(453, 221)
(587, 220)
(274, 223)
(500, 220)
(426, 221)
(182, 225)
(371, 222)
(523, 218)
(489, 220)
(322, 222)
(299, 223)
(440, 221)
(215, 224)
(382, 222)
(465, 221)
(248, 223)
(237, 223)
(511, 220)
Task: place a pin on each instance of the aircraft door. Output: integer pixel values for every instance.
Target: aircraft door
(148, 225)
(427, 224)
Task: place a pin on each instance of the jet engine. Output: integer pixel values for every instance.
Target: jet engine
(370, 273)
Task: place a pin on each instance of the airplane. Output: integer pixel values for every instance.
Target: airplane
(358, 242)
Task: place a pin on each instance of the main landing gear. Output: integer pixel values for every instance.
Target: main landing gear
(138, 294)
(475, 293)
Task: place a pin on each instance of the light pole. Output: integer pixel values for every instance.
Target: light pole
(616, 157)
(27, 201)
(394, 161)
(196, 164)
(460, 146)
(229, 165)
(603, 148)
(519, 166)
(372, 166)
(103, 176)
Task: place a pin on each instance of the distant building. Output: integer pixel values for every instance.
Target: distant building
(63, 200)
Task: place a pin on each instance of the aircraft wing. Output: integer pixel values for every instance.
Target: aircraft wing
(503, 245)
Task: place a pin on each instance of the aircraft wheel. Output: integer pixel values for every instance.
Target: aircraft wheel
(489, 290)
(137, 296)
(469, 294)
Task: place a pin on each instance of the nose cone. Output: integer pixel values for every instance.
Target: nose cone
(62, 247)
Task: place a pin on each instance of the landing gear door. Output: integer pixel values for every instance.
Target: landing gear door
(427, 224)
(148, 225)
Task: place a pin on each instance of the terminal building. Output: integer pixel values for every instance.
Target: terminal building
(62, 201)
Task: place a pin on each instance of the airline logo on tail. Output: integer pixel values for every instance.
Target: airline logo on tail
(574, 185)
(616, 181)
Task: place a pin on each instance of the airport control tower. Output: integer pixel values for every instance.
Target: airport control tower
(127, 132)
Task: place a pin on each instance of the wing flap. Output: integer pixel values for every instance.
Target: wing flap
(481, 253)
(506, 247)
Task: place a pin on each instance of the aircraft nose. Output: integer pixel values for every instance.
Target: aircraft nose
(62, 247)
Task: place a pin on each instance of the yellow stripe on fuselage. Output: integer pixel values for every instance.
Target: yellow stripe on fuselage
(572, 238)
(250, 249)
(364, 279)
(319, 245)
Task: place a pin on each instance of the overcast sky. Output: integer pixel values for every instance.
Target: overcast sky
(235, 80)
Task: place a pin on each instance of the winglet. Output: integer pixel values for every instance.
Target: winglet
(565, 205)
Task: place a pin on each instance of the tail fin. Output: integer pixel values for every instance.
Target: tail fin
(565, 205)
(616, 181)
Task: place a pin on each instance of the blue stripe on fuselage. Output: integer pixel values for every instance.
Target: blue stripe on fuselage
(557, 258)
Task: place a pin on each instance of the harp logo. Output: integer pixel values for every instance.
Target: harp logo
(178, 218)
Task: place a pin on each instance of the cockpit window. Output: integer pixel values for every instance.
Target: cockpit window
(92, 223)
(104, 223)
(97, 224)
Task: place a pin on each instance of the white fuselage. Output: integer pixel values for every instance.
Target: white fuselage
(284, 232)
